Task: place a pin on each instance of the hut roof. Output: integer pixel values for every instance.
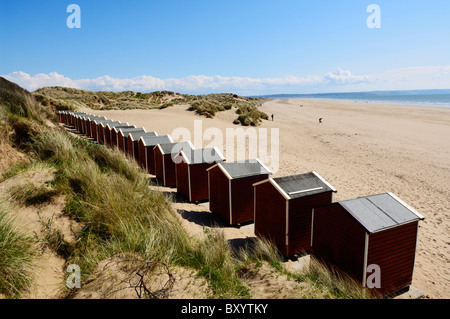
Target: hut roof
(81, 116)
(119, 124)
(128, 131)
(93, 117)
(155, 140)
(300, 185)
(122, 128)
(137, 135)
(378, 212)
(104, 124)
(75, 112)
(204, 155)
(242, 169)
(98, 121)
(175, 148)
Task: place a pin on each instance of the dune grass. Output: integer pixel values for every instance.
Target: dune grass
(207, 105)
(62, 98)
(250, 115)
(17, 255)
(110, 195)
(327, 283)
(30, 194)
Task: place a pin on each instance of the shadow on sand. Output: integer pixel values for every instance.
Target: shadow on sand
(202, 218)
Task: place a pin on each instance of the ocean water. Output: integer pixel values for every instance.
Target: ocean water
(436, 98)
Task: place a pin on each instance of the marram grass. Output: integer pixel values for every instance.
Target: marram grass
(17, 255)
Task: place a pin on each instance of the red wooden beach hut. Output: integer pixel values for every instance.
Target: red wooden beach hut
(68, 117)
(115, 135)
(146, 145)
(95, 127)
(132, 143)
(191, 172)
(71, 119)
(165, 165)
(109, 128)
(80, 123)
(284, 206)
(122, 136)
(63, 116)
(85, 120)
(77, 121)
(101, 130)
(82, 119)
(60, 116)
(87, 124)
(368, 234)
(231, 193)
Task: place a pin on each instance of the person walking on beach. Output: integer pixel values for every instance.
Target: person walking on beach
(272, 117)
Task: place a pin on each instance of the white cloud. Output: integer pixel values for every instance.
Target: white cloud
(337, 80)
(40, 80)
(342, 77)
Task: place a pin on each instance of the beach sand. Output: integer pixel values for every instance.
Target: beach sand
(361, 149)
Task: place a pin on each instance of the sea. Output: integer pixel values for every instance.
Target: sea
(436, 98)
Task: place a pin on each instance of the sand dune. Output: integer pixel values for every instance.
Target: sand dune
(361, 149)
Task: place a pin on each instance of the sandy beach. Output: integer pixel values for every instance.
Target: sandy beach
(361, 149)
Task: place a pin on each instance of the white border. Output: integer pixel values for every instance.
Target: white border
(323, 180)
(407, 206)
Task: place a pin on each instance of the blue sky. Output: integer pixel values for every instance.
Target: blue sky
(247, 46)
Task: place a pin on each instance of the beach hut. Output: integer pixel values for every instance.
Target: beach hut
(63, 116)
(231, 189)
(284, 206)
(132, 142)
(81, 122)
(93, 129)
(77, 121)
(164, 164)
(85, 127)
(109, 128)
(364, 235)
(101, 130)
(191, 172)
(60, 116)
(76, 118)
(82, 126)
(95, 126)
(146, 145)
(67, 117)
(115, 134)
(87, 123)
(122, 137)
(72, 118)
(101, 125)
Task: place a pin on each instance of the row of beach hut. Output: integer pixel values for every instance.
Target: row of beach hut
(297, 213)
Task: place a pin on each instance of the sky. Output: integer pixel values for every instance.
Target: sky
(247, 47)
